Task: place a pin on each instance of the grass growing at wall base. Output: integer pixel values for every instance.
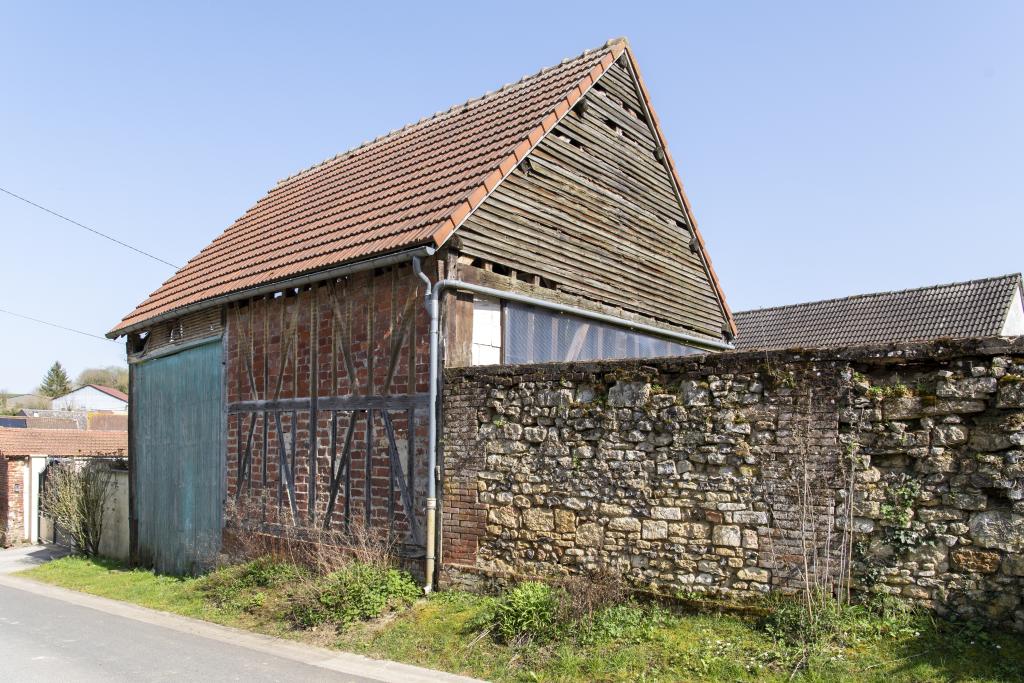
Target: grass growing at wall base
(628, 642)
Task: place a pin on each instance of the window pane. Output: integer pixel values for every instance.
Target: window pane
(535, 335)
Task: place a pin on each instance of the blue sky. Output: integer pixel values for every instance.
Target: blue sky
(827, 148)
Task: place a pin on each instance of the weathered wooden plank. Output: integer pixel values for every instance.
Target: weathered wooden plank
(286, 474)
(343, 403)
(602, 221)
(396, 473)
(501, 246)
(314, 376)
(479, 276)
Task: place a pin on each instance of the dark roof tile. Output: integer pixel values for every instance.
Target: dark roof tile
(976, 308)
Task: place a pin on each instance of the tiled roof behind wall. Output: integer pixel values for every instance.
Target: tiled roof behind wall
(976, 308)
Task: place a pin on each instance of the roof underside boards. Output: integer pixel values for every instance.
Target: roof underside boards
(409, 188)
(964, 309)
(596, 214)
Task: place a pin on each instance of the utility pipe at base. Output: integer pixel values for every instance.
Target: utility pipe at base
(432, 304)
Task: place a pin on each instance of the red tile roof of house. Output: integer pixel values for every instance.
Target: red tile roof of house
(110, 391)
(61, 442)
(412, 187)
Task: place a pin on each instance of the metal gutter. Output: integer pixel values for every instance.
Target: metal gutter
(302, 280)
(432, 304)
(175, 348)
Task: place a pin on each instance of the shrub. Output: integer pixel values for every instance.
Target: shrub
(581, 596)
(74, 498)
(527, 611)
(354, 593)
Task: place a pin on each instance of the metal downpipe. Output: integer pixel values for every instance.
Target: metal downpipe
(432, 304)
(430, 301)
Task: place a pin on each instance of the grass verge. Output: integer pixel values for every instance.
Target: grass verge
(462, 633)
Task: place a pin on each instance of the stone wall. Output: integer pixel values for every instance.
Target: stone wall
(722, 473)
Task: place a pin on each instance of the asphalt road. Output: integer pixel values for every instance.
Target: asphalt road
(43, 639)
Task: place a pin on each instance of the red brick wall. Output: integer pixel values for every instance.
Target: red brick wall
(362, 336)
(12, 500)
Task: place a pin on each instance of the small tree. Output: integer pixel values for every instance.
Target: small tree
(75, 497)
(111, 376)
(56, 382)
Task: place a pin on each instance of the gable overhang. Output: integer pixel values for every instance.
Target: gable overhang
(618, 49)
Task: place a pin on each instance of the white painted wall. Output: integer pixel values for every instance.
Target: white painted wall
(88, 398)
(486, 331)
(1014, 325)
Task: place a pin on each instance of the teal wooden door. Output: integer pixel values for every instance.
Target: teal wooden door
(177, 459)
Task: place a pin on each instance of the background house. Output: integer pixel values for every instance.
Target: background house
(978, 308)
(92, 397)
(546, 218)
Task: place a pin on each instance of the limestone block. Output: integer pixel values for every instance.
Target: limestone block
(629, 394)
(971, 387)
(666, 468)
(612, 510)
(975, 561)
(537, 519)
(505, 516)
(666, 513)
(565, 521)
(654, 529)
(726, 534)
(535, 434)
(690, 530)
(750, 517)
(590, 534)
(998, 529)
(694, 393)
(902, 408)
(628, 524)
(949, 435)
(754, 574)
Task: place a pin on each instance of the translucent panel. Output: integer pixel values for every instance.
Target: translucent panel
(486, 331)
(535, 335)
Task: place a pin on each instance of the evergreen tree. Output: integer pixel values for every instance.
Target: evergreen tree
(56, 382)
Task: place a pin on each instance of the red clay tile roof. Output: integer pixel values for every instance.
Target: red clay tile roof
(110, 391)
(61, 442)
(977, 308)
(409, 188)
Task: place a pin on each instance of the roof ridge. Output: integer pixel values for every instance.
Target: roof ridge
(869, 295)
(452, 109)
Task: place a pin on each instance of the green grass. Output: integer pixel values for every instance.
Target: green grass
(631, 642)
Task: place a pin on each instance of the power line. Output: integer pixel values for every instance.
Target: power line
(86, 227)
(61, 327)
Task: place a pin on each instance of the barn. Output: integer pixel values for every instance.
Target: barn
(291, 369)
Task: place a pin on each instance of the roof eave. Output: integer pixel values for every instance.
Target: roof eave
(328, 273)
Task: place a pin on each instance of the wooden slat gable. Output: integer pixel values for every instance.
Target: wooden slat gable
(595, 212)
